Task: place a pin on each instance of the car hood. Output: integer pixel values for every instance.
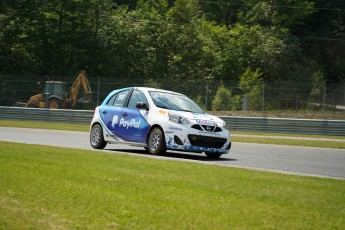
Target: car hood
(200, 118)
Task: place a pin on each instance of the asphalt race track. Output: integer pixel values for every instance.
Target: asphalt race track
(320, 162)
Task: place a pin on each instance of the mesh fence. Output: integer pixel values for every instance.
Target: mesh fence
(277, 96)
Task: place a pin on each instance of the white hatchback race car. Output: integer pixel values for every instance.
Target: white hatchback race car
(157, 120)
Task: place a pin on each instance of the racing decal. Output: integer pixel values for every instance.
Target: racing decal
(121, 97)
(125, 123)
(175, 128)
(199, 115)
(205, 122)
(209, 133)
(129, 124)
(108, 132)
(115, 120)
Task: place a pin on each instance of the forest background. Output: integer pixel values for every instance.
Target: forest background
(234, 48)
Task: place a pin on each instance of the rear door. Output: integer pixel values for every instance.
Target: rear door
(133, 125)
(111, 113)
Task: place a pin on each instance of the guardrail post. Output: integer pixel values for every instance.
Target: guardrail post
(263, 100)
(324, 98)
(98, 88)
(206, 98)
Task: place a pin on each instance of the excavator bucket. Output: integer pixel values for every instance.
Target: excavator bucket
(19, 104)
(83, 81)
(85, 99)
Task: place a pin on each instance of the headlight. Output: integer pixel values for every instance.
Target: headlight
(178, 119)
(222, 124)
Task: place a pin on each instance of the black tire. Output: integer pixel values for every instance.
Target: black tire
(156, 142)
(54, 103)
(96, 137)
(213, 155)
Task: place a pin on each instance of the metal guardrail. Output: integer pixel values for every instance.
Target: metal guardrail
(250, 124)
(285, 125)
(48, 115)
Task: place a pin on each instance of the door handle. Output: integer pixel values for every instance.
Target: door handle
(124, 114)
(104, 111)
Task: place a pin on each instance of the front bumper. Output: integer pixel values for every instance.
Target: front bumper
(189, 139)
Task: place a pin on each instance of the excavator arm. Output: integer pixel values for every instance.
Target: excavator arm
(74, 90)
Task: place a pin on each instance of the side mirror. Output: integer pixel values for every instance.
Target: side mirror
(142, 105)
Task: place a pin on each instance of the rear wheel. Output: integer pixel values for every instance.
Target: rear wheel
(54, 104)
(96, 137)
(213, 155)
(156, 142)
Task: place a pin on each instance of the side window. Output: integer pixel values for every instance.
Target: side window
(137, 96)
(120, 99)
(111, 100)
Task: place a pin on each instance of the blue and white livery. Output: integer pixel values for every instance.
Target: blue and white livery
(157, 120)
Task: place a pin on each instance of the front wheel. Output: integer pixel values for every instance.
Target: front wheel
(96, 137)
(211, 155)
(156, 142)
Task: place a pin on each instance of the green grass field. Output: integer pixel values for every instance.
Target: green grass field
(59, 188)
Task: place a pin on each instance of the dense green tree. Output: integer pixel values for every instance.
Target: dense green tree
(174, 39)
(53, 37)
(323, 39)
(251, 84)
(223, 99)
(222, 11)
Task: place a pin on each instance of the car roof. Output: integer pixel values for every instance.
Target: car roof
(157, 90)
(146, 89)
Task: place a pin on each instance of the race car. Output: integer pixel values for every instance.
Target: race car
(158, 120)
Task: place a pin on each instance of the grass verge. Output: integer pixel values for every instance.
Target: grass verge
(264, 134)
(265, 140)
(45, 187)
(291, 142)
(44, 125)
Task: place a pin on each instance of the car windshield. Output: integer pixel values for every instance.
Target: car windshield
(173, 101)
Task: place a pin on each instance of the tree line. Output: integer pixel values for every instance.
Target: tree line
(154, 40)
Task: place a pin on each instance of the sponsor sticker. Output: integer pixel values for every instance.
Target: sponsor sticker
(205, 122)
(209, 133)
(114, 121)
(176, 129)
(129, 124)
(126, 123)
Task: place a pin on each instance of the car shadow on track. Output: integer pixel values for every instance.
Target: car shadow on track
(178, 155)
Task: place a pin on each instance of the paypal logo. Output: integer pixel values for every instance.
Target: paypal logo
(125, 123)
(128, 124)
(115, 120)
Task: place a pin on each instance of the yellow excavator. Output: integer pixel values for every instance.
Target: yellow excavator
(55, 95)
